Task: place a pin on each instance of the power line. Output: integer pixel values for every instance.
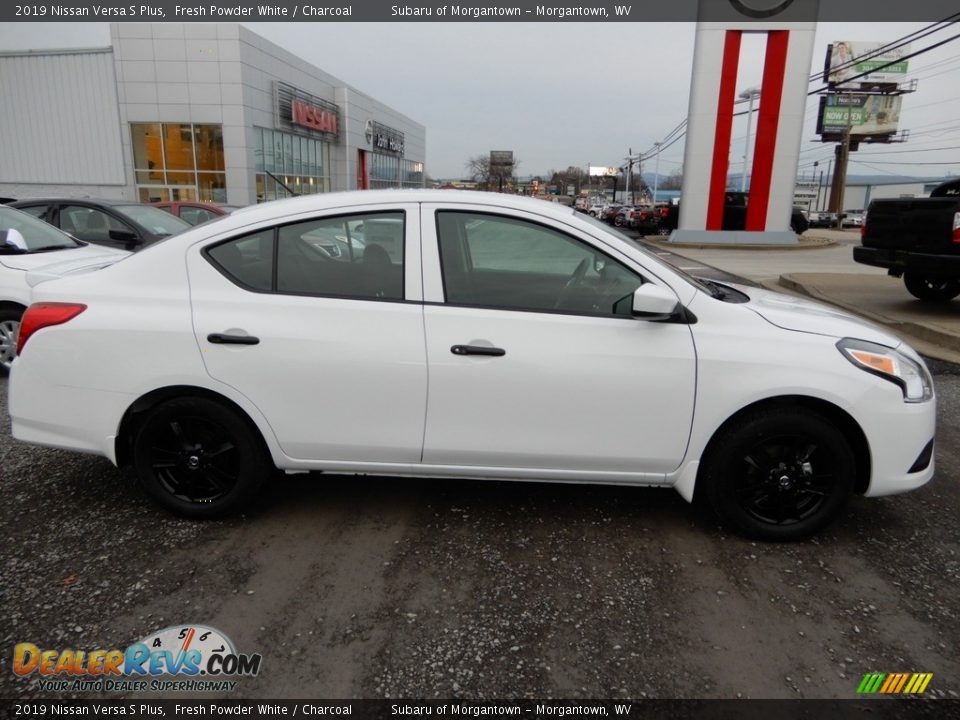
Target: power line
(899, 152)
(892, 45)
(910, 37)
(918, 53)
(885, 172)
(897, 162)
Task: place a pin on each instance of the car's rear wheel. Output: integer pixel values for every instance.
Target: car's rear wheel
(9, 328)
(199, 458)
(663, 230)
(779, 474)
(931, 289)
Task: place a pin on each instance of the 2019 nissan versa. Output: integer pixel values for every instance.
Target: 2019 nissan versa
(469, 335)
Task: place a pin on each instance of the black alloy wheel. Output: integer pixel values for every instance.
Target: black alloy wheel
(780, 474)
(199, 458)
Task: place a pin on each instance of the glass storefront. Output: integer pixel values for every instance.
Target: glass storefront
(179, 161)
(390, 171)
(288, 164)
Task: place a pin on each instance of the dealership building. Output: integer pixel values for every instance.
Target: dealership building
(209, 112)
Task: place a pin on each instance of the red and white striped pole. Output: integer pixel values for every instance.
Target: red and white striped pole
(789, 52)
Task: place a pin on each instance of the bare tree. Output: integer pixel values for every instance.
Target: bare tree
(479, 170)
(564, 178)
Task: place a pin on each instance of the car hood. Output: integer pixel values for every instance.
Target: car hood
(84, 253)
(800, 315)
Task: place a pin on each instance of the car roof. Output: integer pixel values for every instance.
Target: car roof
(188, 203)
(359, 198)
(91, 201)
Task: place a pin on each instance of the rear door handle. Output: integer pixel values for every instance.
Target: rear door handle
(478, 350)
(220, 339)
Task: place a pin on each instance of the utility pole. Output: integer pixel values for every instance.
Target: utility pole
(629, 158)
(838, 188)
(656, 174)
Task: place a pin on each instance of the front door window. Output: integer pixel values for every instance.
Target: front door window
(512, 264)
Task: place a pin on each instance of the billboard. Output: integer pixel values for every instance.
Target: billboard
(502, 158)
(596, 171)
(860, 114)
(842, 62)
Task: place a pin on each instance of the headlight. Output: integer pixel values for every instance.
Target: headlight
(885, 362)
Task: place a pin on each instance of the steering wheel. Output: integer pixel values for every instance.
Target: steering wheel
(576, 277)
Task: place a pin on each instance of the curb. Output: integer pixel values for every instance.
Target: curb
(930, 341)
(815, 243)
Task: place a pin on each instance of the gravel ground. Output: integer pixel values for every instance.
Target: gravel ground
(386, 587)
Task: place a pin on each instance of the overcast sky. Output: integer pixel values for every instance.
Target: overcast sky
(561, 94)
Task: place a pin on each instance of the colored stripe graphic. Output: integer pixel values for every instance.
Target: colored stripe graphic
(894, 683)
(870, 683)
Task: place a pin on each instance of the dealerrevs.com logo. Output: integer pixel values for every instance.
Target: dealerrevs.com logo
(180, 658)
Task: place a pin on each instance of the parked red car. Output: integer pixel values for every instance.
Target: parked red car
(193, 212)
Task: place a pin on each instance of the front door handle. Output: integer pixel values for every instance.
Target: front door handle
(221, 339)
(478, 350)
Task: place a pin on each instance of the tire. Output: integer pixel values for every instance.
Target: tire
(9, 328)
(618, 221)
(779, 474)
(663, 231)
(931, 289)
(199, 458)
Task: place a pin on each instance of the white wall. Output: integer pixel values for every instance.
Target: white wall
(60, 125)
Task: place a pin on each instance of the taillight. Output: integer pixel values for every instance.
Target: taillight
(956, 227)
(863, 226)
(41, 315)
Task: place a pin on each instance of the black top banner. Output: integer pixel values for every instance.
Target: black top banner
(753, 11)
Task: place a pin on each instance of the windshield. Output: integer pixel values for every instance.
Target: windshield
(32, 235)
(696, 282)
(157, 221)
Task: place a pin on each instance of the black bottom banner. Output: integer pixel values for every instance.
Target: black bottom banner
(903, 709)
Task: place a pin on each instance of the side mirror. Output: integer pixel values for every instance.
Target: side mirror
(129, 238)
(652, 302)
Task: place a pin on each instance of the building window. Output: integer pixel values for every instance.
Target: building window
(288, 164)
(390, 171)
(179, 161)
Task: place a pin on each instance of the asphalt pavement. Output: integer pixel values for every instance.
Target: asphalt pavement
(382, 587)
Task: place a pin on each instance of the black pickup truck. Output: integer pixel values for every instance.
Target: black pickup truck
(917, 239)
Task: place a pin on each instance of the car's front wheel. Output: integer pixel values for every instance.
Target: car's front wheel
(931, 289)
(199, 458)
(779, 474)
(9, 328)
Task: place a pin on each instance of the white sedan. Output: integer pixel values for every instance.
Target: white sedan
(27, 243)
(475, 336)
